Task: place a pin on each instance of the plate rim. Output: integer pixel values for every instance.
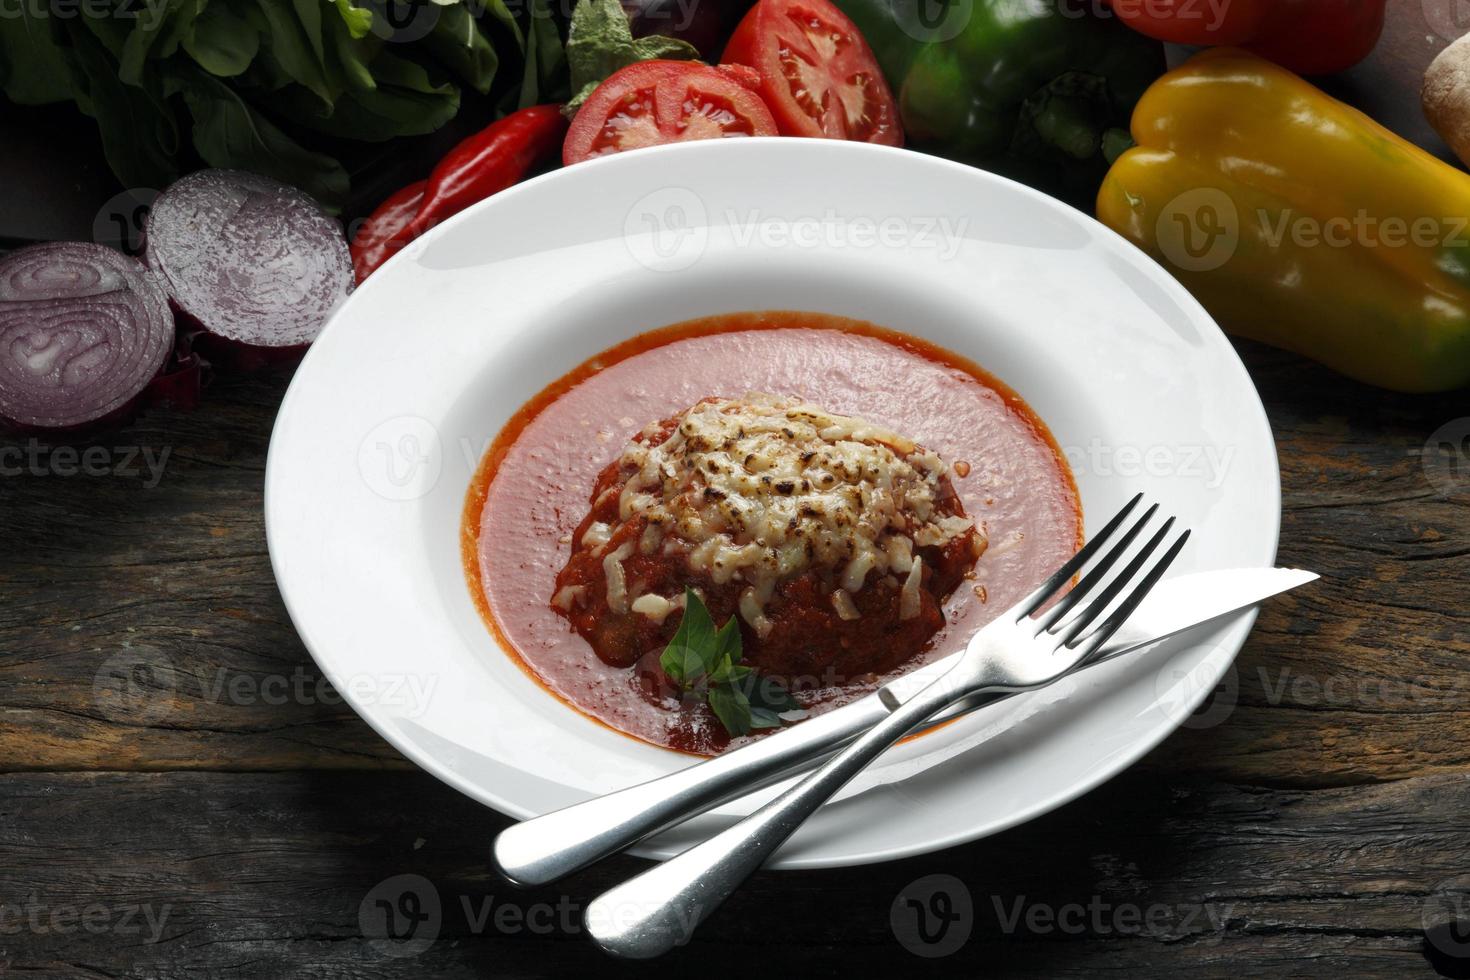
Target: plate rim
(1199, 316)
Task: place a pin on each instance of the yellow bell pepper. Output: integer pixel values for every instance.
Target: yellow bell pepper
(1298, 221)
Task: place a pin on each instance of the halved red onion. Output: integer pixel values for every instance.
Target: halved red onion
(250, 259)
(83, 331)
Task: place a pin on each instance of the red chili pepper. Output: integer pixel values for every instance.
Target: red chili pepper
(1311, 37)
(495, 158)
(486, 163)
(384, 232)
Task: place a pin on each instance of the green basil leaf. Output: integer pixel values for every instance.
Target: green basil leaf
(701, 657)
(728, 673)
(732, 708)
(767, 692)
(687, 657)
(764, 717)
(727, 642)
(228, 132)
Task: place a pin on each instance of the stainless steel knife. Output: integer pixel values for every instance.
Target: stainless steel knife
(544, 848)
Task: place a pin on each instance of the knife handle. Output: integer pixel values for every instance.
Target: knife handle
(542, 849)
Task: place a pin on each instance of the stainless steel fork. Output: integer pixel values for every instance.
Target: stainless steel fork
(1020, 651)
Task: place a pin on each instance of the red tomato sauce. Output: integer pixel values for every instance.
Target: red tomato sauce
(534, 484)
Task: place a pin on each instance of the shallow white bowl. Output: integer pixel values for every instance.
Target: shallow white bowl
(386, 419)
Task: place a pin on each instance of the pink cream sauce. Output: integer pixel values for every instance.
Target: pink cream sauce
(534, 484)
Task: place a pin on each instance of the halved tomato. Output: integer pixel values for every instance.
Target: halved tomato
(818, 75)
(654, 102)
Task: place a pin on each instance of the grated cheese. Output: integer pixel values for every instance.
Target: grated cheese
(597, 535)
(617, 580)
(908, 596)
(762, 489)
(655, 607)
(846, 608)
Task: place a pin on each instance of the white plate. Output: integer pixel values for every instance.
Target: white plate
(386, 420)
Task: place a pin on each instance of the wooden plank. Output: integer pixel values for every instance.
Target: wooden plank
(1365, 675)
(157, 565)
(1290, 858)
(100, 572)
(157, 560)
(267, 875)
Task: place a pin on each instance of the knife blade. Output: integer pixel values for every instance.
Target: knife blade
(542, 849)
(1175, 605)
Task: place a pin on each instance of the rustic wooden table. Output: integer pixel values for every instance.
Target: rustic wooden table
(179, 795)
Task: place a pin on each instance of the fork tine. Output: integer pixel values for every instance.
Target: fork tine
(1061, 576)
(1125, 609)
(1095, 574)
(1095, 608)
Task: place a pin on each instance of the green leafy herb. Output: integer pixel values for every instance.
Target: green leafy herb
(359, 20)
(139, 135)
(223, 43)
(229, 133)
(600, 42)
(545, 73)
(456, 41)
(268, 85)
(705, 661)
(33, 67)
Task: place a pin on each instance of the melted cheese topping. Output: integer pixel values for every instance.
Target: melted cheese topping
(763, 489)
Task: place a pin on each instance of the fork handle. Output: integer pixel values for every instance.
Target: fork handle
(659, 909)
(542, 849)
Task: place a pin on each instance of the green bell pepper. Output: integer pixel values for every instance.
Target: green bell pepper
(1038, 90)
